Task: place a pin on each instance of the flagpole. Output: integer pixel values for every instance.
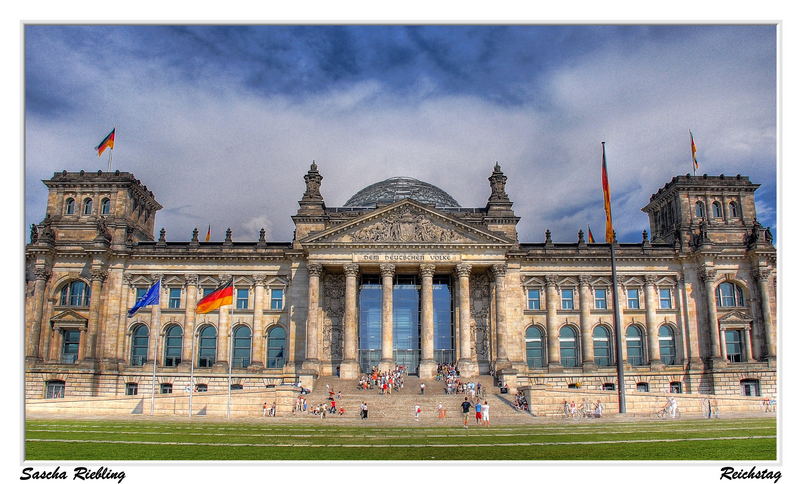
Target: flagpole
(110, 151)
(191, 372)
(230, 343)
(617, 330)
(155, 356)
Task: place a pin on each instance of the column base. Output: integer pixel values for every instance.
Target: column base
(256, 365)
(427, 369)
(555, 368)
(772, 361)
(500, 364)
(718, 363)
(467, 368)
(386, 365)
(657, 365)
(589, 366)
(348, 370)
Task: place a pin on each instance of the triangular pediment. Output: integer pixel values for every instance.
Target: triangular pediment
(735, 316)
(68, 316)
(406, 222)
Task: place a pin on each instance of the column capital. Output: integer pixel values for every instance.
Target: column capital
(762, 273)
(260, 279)
(41, 274)
(584, 280)
(551, 280)
(191, 279)
(99, 275)
(351, 270)
(127, 279)
(427, 270)
(707, 274)
(463, 270)
(650, 279)
(387, 270)
(314, 269)
(499, 270)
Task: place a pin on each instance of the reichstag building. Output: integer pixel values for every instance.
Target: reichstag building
(401, 274)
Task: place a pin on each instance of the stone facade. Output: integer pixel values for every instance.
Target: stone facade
(697, 301)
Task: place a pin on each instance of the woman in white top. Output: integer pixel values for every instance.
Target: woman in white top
(485, 413)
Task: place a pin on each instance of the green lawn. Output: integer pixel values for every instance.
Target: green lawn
(729, 439)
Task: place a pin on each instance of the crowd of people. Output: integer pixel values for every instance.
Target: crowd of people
(384, 381)
(585, 409)
(520, 401)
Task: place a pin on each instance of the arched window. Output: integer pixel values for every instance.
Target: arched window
(633, 338)
(699, 210)
(729, 295)
(601, 338)
(139, 342)
(69, 207)
(173, 344)
(568, 341)
(207, 351)
(87, 206)
(105, 206)
(666, 344)
(534, 347)
(242, 337)
(276, 347)
(733, 209)
(75, 293)
(716, 208)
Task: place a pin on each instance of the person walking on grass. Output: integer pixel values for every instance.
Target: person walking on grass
(465, 406)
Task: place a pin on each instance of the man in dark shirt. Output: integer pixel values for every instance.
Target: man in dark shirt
(465, 405)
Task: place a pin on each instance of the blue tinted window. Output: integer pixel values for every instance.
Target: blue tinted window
(369, 328)
(276, 347)
(173, 345)
(276, 300)
(242, 296)
(601, 338)
(665, 298)
(443, 320)
(174, 297)
(569, 347)
(633, 338)
(534, 299)
(241, 347)
(600, 299)
(139, 342)
(207, 351)
(566, 299)
(534, 347)
(666, 345)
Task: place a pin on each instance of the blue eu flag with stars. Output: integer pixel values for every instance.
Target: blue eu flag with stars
(150, 298)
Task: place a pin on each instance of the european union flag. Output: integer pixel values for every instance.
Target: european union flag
(151, 297)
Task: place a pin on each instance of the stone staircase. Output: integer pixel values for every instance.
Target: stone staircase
(399, 406)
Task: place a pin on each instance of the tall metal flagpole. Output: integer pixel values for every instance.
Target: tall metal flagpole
(155, 356)
(617, 330)
(110, 151)
(191, 371)
(230, 343)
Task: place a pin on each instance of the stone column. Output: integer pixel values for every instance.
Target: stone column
(98, 276)
(32, 347)
(312, 339)
(259, 331)
(122, 323)
(427, 365)
(499, 273)
(585, 301)
(387, 347)
(651, 304)
(189, 316)
(723, 347)
(762, 277)
(748, 345)
(683, 342)
(467, 367)
(551, 300)
(707, 275)
(349, 367)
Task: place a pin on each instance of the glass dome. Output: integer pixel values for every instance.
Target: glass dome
(394, 189)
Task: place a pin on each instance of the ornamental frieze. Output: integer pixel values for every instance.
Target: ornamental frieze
(407, 225)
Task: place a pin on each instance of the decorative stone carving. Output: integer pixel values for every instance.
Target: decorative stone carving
(314, 269)
(313, 182)
(463, 270)
(584, 280)
(41, 273)
(333, 288)
(707, 274)
(499, 270)
(650, 279)
(498, 183)
(260, 279)
(34, 233)
(550, 280)
(228, 238)
(406, 225)
(194, 235)
(387, 270)
(427, 270)
(191, 279)
(762, 273)
(162, 236)
(99, 275)
(351, 270)
(480, 304)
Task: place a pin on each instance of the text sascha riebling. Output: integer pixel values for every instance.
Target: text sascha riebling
(78, 473)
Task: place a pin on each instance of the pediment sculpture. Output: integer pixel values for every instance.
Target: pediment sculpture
(406, 225)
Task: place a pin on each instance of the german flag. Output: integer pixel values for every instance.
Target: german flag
(607, 201)
(591, 237)
(108, 142)
(221, 296)
(694, 151)
(208, 234)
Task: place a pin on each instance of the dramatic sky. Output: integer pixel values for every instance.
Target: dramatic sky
(222, 122)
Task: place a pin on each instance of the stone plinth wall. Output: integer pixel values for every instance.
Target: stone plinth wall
(243, 404)
(550, 402)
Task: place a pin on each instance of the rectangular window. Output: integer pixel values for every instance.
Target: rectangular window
(140, 292)
(54, 389)
(534, 301)
(665, 298)
(131, 388)
(567, 299)
(166, 388)
(70, 344)
(242, 296)
(600, 299)
(207, 291)
(633, 299)
(276, 299)
(675, 387)
(174, 297)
